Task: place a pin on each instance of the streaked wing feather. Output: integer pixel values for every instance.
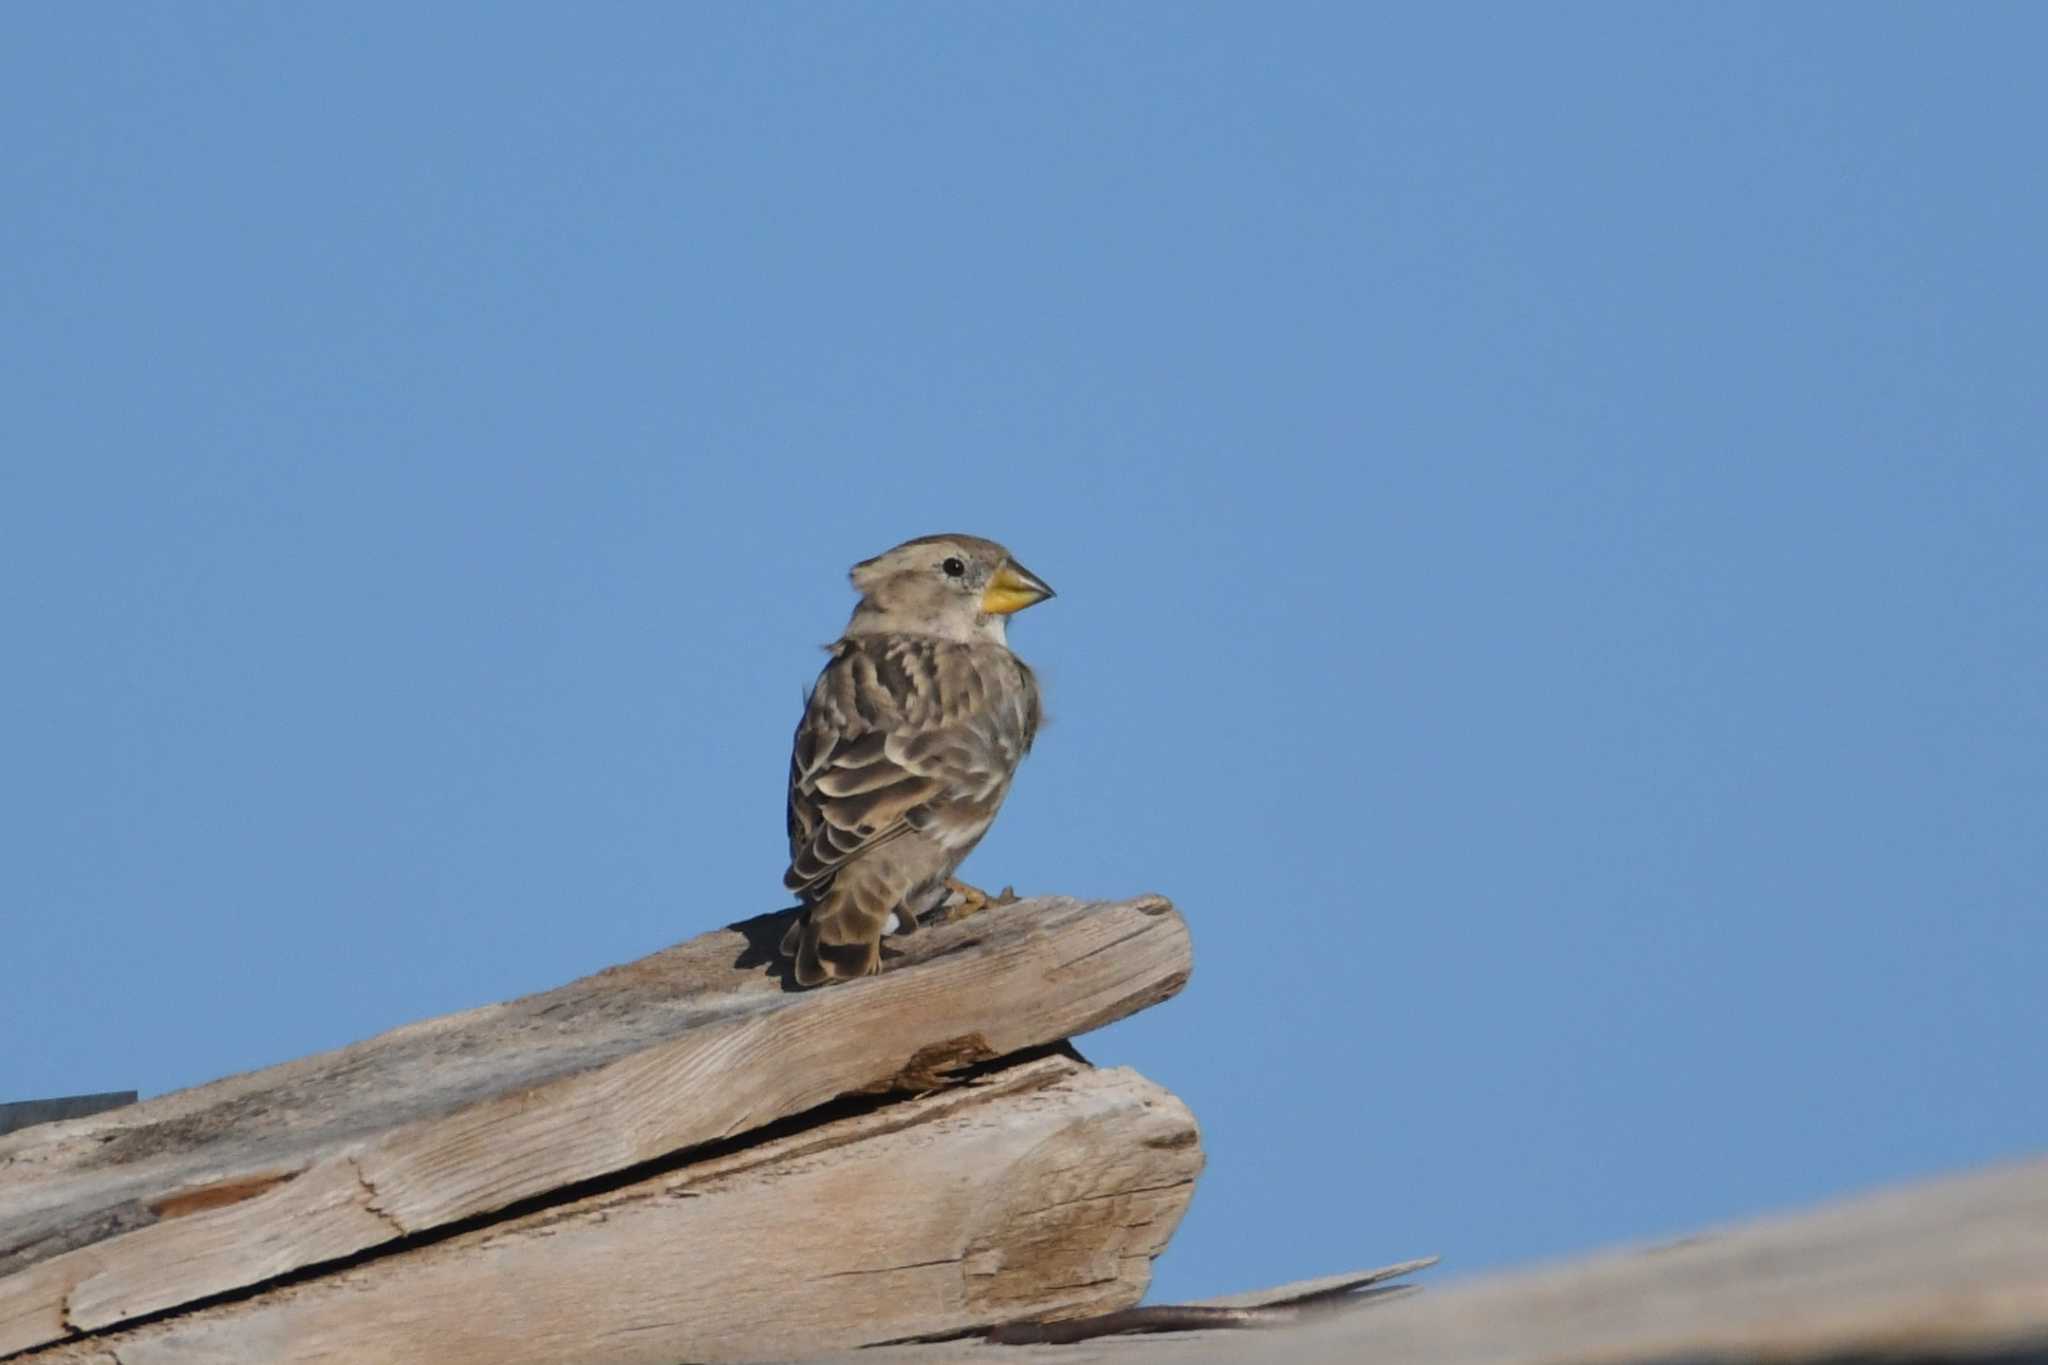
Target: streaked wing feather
(901, 735)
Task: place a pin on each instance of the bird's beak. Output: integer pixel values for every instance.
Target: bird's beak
(1012, 589)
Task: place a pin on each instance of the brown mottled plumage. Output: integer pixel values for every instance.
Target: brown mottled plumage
(907, 746)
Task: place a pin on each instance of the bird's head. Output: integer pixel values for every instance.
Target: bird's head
(954, 586)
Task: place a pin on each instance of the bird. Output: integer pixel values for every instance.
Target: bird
(909, 739)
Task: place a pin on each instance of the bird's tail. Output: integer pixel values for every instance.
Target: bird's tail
(838, 937)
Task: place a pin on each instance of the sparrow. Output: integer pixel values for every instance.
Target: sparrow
(908, 742)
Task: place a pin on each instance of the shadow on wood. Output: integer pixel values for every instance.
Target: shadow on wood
(763, 935)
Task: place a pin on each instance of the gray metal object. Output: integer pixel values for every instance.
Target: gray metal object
(22, 1113)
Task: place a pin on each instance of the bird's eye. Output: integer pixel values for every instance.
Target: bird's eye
(954, 568)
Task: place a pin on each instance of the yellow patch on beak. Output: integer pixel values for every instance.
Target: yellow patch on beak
(1012, 589)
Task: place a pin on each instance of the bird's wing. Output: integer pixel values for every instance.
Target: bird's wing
(901, 734)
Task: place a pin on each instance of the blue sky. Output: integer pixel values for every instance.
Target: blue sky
(1546, 502)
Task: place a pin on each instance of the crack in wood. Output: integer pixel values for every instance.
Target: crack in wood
(1113, 944)
(370, 1204)
(933, 1066)
(1131, 1193)
(886, 1269)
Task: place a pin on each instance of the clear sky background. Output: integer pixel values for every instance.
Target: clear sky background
(1547, 503)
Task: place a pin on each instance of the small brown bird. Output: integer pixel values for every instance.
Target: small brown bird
(906, 749)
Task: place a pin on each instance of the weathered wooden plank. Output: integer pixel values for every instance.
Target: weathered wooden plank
(1951, 1270)
(230, 1184)
(19, 1114)
(1046, 1189)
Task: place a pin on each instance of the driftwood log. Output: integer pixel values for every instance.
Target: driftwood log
(675, 1159)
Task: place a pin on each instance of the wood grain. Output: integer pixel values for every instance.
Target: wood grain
(1046, 1189)
(1951, 1270)
(231, 1184)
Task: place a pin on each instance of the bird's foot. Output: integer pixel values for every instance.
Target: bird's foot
(964, 900)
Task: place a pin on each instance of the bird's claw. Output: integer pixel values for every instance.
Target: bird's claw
(964, 900)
